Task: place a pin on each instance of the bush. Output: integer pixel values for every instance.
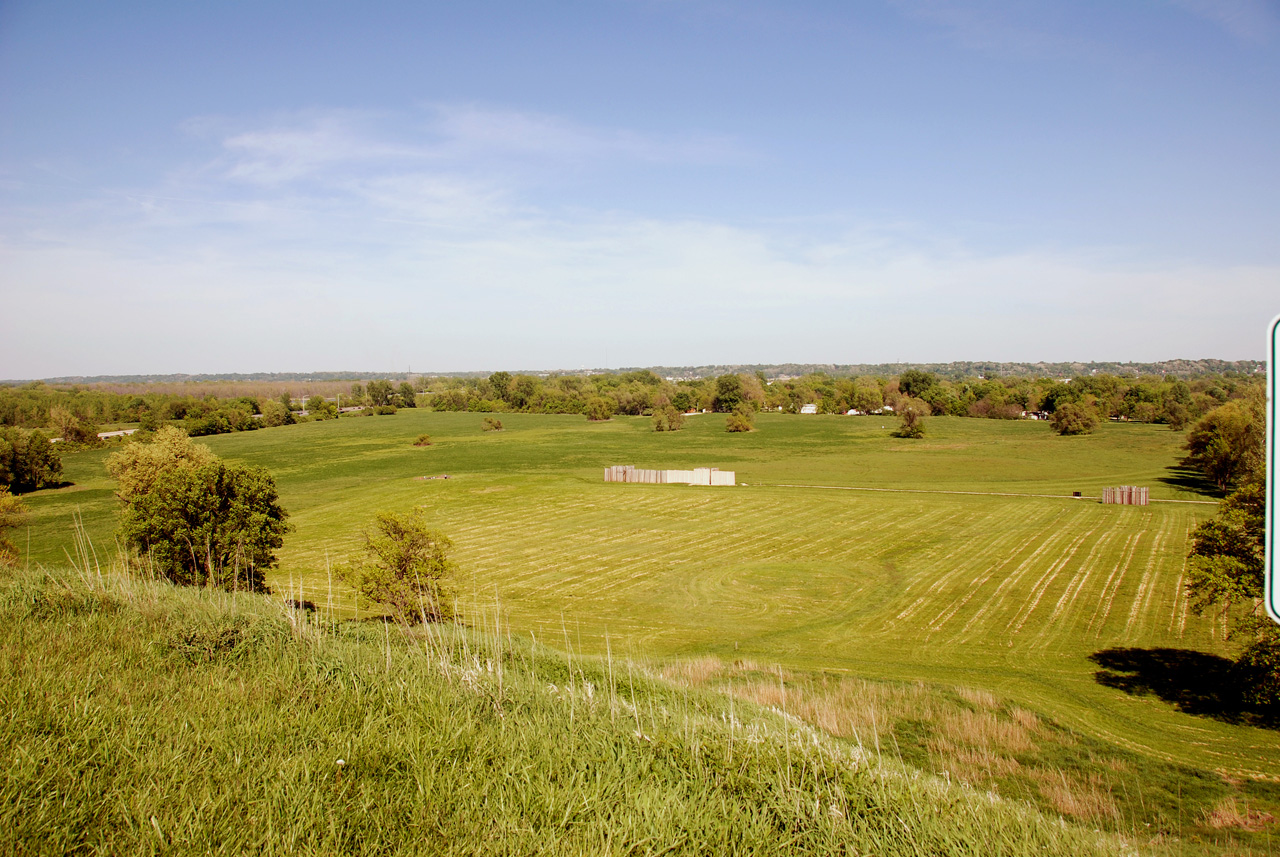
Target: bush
(385, 410)
(912, 412)
(27, 460)
(1074, 418)
(492, 424)
(423, 440)
(667, 419)
(275, 413)
(740, 420)
(405, 567)
(599, 409)
(12, 515)
(198, 520)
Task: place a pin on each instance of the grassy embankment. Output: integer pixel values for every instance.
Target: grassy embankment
(1021, 601)
(146, 720)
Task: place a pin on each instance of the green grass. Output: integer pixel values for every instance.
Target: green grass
(146, 720)
(1008, 594)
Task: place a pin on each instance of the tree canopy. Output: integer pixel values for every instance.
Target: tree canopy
(195, 519)
(27, 460)
(912, 412)
(1229, 442)
(138, 466)
(742, 419)
(1227, 551)
(405, 567)
(1074, 418)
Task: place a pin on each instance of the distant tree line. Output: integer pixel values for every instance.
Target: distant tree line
(75, 413)
(1151, 399)
(1076, 405)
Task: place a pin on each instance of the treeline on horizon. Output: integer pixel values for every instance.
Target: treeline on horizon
(955, 371)
(76, 411)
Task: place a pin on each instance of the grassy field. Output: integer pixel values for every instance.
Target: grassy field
(957, 570)
(148, 720)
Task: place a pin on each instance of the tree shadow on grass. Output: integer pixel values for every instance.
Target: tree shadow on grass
(1188, 479)
(1196, 682)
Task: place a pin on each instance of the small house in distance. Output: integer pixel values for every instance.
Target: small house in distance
(808, 409)
(697, 476)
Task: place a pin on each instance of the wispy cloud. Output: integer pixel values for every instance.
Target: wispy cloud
(1248, 20)
(1042, 28)
(471, 129)
(307, 144)
(1027, 28)
(341, 239)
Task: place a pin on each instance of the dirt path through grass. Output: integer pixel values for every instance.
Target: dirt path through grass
(973, 493)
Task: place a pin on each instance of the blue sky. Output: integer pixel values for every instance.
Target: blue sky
(289, 186)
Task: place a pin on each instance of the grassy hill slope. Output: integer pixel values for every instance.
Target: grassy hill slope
(143, 720)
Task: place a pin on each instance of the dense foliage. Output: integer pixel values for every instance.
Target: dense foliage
(1228, 552)
(912, 415)
(27, 460)
(12, 515)
(1074, 418)
(194, 519)
(740, 420)
(1229, 443)
(405, 568)
(217, 408)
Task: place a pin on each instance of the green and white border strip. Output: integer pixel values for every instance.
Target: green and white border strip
(1273, 367)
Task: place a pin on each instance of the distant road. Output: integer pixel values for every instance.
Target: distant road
(101, 435)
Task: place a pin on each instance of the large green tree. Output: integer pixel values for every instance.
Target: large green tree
(194, 519)
(1227, 551)
(27, 460)
(1229, 441)
(1227, 574)
(1074, 418)
(500, 382)
(915, 382)
(380, 392)
(729, 394)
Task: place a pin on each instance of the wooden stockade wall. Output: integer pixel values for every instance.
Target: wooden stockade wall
(697, 476)
(1127, 495)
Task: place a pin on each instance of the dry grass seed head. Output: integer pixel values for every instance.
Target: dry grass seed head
(972, 766)
(1026, 719)
(1229, 814)
(985, 730)
(695, 671)
(1085, 800)
(978, 698)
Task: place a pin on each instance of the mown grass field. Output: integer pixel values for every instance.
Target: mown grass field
(1027, 597)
